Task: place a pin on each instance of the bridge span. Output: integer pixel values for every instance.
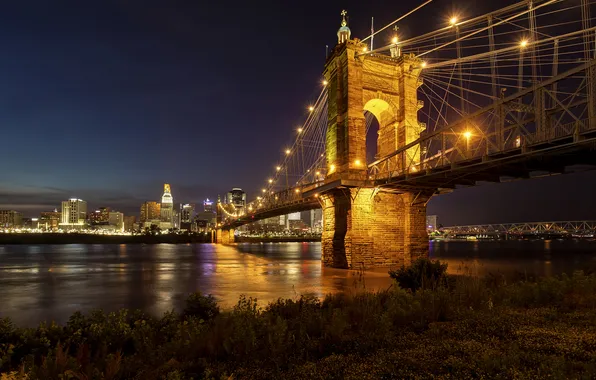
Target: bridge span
(498, 97)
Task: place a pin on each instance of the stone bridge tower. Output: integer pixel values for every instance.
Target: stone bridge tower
(365, 226)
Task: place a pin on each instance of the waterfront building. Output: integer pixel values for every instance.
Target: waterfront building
(74, 214)
(208, 205)
(150, 211)
(236, 197)
(129, 223)
(11, 219)
(167, 208)
(187, 213)
(100, 216)
(432, 223)
(49, 220)
(116, 220)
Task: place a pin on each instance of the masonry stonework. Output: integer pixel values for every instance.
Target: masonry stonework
(364, 228)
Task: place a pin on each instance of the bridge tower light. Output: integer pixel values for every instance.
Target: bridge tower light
(453, 21)
(288, 152)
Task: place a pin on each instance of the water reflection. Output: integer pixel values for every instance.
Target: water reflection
(53, 281)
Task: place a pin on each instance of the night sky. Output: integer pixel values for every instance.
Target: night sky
(107, 100)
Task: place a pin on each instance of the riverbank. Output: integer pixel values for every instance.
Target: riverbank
(468, 328)
(76, 238)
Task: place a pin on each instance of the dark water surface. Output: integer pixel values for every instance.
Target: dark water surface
(50, 282)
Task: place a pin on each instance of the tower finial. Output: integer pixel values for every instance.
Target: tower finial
(343, 34)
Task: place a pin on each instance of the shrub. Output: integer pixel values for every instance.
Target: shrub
(422, 274)
(200, 306)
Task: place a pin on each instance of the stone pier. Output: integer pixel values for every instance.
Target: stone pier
(224, 236)
(364, 228)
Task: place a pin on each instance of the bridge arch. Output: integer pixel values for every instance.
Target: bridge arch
(385, 111)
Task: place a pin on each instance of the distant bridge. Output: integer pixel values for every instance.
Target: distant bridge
(582, 227)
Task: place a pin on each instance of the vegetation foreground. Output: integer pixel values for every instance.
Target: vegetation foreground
(427, 325)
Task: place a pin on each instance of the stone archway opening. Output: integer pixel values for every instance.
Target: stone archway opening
(381, 133)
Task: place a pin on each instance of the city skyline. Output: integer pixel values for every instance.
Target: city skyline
(141, 99)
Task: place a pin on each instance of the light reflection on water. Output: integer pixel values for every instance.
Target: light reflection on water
(52, 281)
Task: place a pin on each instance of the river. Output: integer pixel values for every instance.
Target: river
(50, 282)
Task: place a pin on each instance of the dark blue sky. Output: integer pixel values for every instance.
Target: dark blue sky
(107, 100)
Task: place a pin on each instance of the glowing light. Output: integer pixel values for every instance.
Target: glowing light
(316, 195)
(288, 151)
(278, 168)
(423, 65)
(395, 40)
(331, 168)
(264, 190)
(299, 130)
(258, 198)
(453, 20)
(467, 135)
(325, 83)
(318, 173)
(357, 162)
(523, 43)
(311, 108)
(270, 180)
(364, 49)
(297, 190)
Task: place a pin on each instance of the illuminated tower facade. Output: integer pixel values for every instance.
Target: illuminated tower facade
(167, 208)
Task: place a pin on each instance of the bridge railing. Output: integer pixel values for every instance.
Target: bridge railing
(530, 118)
(269, 201)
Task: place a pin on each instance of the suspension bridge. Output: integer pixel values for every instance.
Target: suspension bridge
(502, 96)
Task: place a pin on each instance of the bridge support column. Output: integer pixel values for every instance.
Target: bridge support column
(227, 237)
(364, 228)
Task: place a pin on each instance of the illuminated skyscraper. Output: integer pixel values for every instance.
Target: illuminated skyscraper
(74, 213)
(208, 205)
(150, 211)
(167, 208)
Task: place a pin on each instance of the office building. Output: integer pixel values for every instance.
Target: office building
(167, 208)
(432, 223)
(49, 220)
(187, 213)
(236, 197)
(150, 211)
(208, 206)
(116, 220)
(129, 223)
(100, 216)
(10, 219)
(74, 214)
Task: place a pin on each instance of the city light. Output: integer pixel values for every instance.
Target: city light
(278, 168)
(423, 64)
(395, 40)
(325, 83)
(311, 108)
(453, 20)
(331, 168)
(364, 49)
(288, 151)
(264, 190)
(270, 180)
(299, 130)
(357, 162)
(467, 135)
(297, 190)
(318, 173)
(523, 43)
